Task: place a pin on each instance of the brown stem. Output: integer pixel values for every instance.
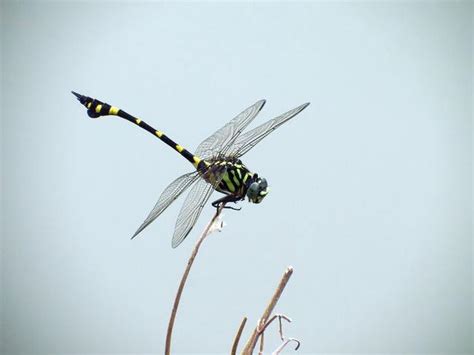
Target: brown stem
(251, 343)
(184, 278)
(235, 344)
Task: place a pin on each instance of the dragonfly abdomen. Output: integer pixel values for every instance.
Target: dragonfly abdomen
(96, 109)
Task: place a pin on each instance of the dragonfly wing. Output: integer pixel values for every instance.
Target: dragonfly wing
(192, 207)
(170, 194)
(225, 136)
(248, 140)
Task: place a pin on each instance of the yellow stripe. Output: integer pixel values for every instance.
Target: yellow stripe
(114, 110)
(179, 148)
(98, 108)
(89, 105)
(246, 177)
(236, 181)
(239, 173)
(137, 121)
(229, 184)
(159, 133)
(196, 161)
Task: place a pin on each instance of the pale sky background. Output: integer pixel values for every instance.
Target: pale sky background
(371, 195)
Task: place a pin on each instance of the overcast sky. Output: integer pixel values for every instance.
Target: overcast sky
(371, 197)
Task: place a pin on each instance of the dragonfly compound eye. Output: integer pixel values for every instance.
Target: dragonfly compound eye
(257, 190)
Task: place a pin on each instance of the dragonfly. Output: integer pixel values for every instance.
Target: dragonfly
(216, 161)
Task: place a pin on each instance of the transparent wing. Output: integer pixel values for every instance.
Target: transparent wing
(225, 136)
(192, 207)
(248, 140)
(170, 194)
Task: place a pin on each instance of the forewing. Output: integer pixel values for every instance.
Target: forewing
(170, 194)
(192, 207)
(248, 140)
(225, 136)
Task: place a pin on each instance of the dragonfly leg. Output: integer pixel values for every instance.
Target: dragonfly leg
(227, 199)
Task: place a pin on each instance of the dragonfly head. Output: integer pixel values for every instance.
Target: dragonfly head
(257, 189)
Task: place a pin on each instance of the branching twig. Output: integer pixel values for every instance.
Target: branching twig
(251, 343)
(184, 278)
(235, 344)
(280, 329)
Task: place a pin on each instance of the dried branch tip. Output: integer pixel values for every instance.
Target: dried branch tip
(217, 224)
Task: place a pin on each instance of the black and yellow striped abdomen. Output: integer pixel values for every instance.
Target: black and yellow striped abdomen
(96, 108)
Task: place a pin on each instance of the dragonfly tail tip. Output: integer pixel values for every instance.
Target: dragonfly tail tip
(78, 96)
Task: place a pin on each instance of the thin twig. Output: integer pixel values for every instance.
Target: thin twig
(251, 343)
(235, 344)
(262, 340)
(280, 317)
(285, 343)
(184, 278)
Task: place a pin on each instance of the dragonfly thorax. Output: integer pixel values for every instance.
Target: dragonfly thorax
(232, 177)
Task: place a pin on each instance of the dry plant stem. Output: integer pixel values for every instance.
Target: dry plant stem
(235, 344)
(184, 278)
(252, 342)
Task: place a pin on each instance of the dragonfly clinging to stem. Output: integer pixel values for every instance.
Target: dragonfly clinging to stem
(216, 161)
